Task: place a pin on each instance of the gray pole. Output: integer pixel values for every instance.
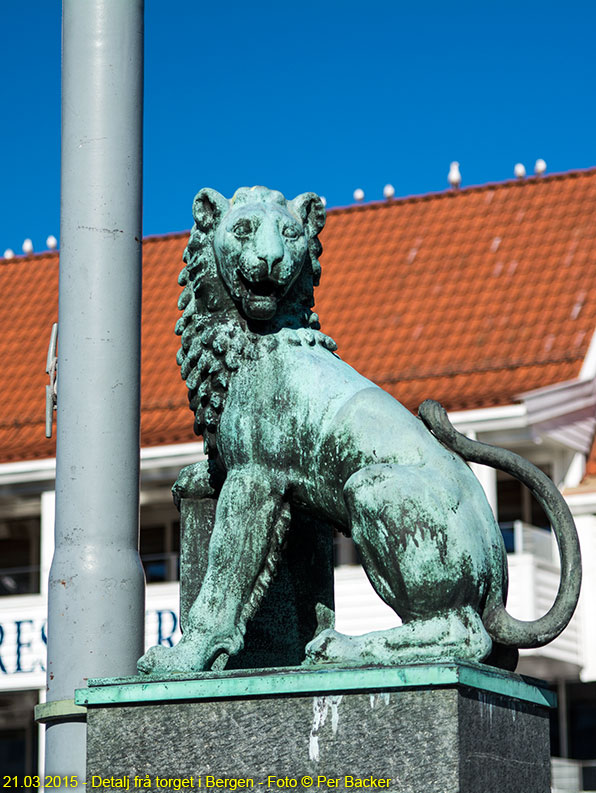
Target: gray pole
(96, 588)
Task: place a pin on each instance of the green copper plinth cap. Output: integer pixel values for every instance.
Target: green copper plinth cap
(299, 681)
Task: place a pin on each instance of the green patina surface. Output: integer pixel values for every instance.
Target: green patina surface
(291, 430)
(294, 681)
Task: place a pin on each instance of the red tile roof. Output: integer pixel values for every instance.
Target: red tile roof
(468, 297)
(591, 462)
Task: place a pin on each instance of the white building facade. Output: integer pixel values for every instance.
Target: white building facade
(552, 427)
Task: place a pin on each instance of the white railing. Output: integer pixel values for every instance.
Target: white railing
(534, 571)
(572, 776)
(358, 608)
(533, 585)
(566, 775)
(539, 542)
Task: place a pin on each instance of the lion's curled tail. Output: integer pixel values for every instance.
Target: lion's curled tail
(501, 626)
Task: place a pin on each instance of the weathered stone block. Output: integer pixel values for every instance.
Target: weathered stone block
(445, 728)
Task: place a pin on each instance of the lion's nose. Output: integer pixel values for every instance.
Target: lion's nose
(269, 248)
(269, 262)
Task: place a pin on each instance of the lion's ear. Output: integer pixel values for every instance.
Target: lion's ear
(309, 207)
(208, 207)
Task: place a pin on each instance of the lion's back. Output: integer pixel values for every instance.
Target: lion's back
(303, 405)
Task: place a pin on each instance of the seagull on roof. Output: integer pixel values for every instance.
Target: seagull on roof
(540, 167)
(519, 170)
(454, 176)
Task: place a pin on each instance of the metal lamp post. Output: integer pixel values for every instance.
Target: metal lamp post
(96, 587)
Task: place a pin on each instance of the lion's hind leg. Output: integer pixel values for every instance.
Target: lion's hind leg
(454, 633)
(425, 558)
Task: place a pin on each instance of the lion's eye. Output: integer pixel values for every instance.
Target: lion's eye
(242, 229)
(291, 232)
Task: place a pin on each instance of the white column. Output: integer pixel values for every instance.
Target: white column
(46, 549)
(41, 737)
(46, 552)
(586, 529)
(575, 471)
(487, 477)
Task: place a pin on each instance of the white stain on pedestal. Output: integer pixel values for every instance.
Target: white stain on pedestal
(320, 708)
(382, 696)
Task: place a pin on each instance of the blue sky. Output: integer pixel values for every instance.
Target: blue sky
(324, 95)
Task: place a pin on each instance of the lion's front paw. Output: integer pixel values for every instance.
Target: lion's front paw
(171, 660)
(152, 661)
(330, 647)
(193, 481)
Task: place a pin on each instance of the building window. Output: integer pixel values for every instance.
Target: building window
(19, 555)
(581, 703)
(18, 733)
(516, 503)
(344, 550)
(160, 543)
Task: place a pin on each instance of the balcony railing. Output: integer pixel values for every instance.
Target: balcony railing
(161, 566)
(520, 537)
(534, 573)
(572, 776)
(19, 580)
(25, 580)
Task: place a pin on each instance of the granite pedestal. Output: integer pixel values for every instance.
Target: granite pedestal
(441, 728)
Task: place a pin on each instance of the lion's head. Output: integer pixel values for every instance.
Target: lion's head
(251, 266)
(265, 248)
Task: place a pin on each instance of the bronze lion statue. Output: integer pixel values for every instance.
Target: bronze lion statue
(287, 423)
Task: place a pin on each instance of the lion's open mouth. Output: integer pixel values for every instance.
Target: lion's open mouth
(264, 288)
(259, 298)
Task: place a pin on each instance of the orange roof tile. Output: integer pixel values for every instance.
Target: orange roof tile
(591, 462)
(468, 297)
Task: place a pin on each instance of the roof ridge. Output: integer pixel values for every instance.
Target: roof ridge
(30, 257)
(381, 203)
(454, 371)
(450, 193)
(168, 235)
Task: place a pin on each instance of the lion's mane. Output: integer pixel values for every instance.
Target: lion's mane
(216, 336)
